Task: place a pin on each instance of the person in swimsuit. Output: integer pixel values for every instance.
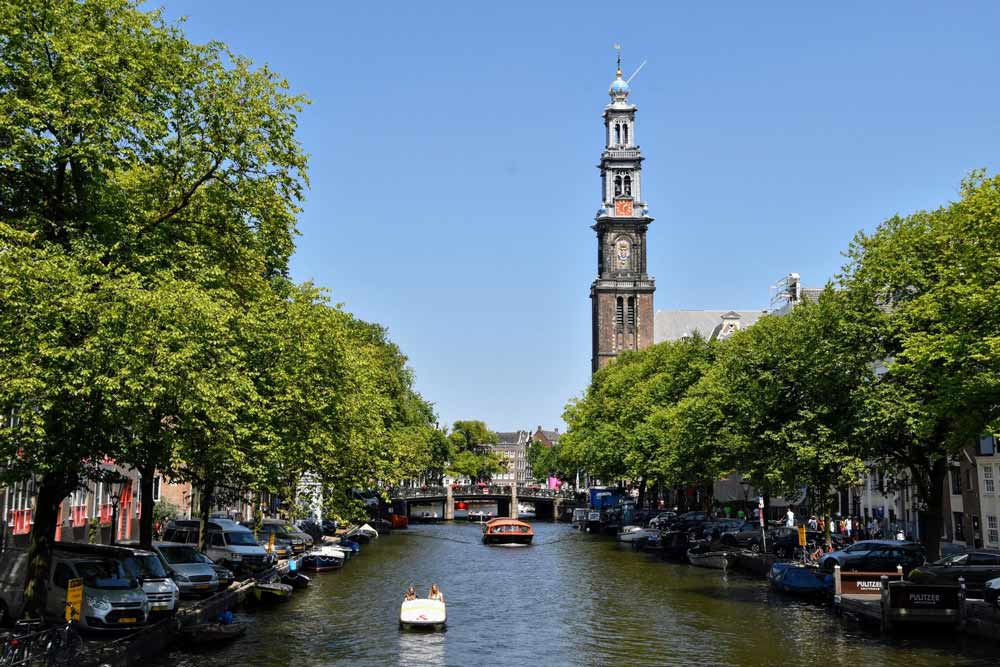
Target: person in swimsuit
(435, 594)
(410, 594)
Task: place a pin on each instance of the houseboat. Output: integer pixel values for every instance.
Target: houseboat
(507, 531)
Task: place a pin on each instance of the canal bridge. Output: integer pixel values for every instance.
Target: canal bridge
(548, 502)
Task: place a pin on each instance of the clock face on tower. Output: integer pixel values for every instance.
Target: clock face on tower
(623, 207)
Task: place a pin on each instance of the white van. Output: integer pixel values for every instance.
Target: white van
(226, 542)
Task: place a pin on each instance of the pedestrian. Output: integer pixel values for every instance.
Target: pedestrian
(847, 527)
(790, 518)
(813, 523)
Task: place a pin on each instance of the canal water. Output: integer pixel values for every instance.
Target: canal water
(571, 599)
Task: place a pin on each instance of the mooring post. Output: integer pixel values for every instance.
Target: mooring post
(449, 504)
(513, 500)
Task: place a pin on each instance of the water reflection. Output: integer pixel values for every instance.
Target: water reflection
(570, 599)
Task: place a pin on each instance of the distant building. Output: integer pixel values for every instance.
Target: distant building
(548, 437)
(513, 447)
(710, 324)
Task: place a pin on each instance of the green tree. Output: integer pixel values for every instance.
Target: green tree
(477, 467)
(466, 435)
(923, 289)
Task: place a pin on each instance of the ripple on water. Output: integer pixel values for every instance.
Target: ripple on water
(571, 599)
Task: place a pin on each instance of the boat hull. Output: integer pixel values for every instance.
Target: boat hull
(716, 560)
(507, 539)
(428, 615)
(796, 580)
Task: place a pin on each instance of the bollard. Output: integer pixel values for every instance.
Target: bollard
(884, 602)
(961, 602)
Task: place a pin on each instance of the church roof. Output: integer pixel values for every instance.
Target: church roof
(675, 324)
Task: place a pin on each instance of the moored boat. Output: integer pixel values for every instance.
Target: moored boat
(423, 614)
(580, 518)
(480, 516)
(399, 521)
(717, 560)
(797, 579)
(272, 592)
(637, 533)
(507, 531)
(211, 633)
(323, 559)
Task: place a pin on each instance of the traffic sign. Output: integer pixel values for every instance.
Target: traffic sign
(74, 599)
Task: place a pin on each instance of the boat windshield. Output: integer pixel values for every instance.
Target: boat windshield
(147, 566)
(105, 574)
(180, 555)
(240, 539)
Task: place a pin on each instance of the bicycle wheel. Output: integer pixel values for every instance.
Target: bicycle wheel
(64, 648)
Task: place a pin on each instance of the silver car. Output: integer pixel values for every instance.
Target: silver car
(187, 568)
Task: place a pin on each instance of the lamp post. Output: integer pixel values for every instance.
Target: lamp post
(117, 487)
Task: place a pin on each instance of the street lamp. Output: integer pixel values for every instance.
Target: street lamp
(117, 487)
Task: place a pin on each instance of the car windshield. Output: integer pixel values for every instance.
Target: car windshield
(954, 559)
(180, 555)
(861, 546)
(105, 574)
(240, 539)
(147, 566)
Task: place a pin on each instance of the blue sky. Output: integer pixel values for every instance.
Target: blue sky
(453, 147)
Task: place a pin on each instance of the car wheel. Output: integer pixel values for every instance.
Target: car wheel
(755, 548)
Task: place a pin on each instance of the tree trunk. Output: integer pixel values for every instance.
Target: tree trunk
(642, 494)
(146, 502)
(204, 511)
(935, 508)
(53, 488)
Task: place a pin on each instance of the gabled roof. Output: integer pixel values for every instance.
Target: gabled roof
(677, 324)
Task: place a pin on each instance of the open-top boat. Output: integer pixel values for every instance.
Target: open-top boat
(701, 557)
(423, 614)
(507, 531)
(479, 516)
(324, 558)
(797, 579)
(636, 533)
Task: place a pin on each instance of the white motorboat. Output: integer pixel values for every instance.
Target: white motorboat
(423, 614)
(368, 531)
(525, 511)
(323, 558)
(717, 560)
(480, 516)
(636, 533)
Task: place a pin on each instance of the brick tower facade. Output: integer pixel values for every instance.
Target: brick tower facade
(622, 294)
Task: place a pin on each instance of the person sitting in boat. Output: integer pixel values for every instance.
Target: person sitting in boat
(410, 594)
(435, 594)
(816, 554)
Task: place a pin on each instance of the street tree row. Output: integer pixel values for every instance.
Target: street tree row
(895, 365)
(149, 190)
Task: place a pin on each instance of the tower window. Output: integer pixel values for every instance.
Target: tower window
(620, 315)
(618, 184)
(625, 134)
(618, 134)
(631, 313)
(627, 186)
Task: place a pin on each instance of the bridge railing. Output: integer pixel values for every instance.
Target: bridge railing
(477, 490)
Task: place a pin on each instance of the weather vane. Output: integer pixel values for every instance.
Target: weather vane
(618, 48)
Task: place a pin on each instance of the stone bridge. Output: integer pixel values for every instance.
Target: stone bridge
(548, 502)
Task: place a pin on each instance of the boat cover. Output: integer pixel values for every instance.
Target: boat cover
(422, 612)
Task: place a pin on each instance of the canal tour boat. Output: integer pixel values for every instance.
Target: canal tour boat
(507, 531)
(423, 614)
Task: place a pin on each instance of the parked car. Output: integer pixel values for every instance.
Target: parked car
(144, 566)
(876, 556)
(716, 528)
(689, 521)
(112, 598)
(661, 520)
(283, 531)
(188, 568)
(783, 541)
(975, 567)
(227, 543)
(310, 528)
(991, 592)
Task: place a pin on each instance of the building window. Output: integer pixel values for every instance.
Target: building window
(988, 484)
(992, 533)
(625, 134)
(620, 315)
(618, 134)
(956, 482)
(959, 526)
(618, 184)
(631, 313)
(987, 445)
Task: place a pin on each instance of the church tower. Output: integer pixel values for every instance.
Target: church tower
(622, 294)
